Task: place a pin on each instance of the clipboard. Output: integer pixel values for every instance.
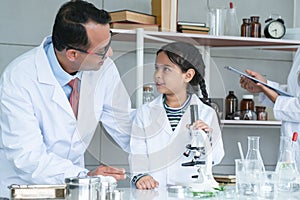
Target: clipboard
(280, 92)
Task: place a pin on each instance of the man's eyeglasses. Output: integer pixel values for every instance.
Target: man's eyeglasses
(102, 55)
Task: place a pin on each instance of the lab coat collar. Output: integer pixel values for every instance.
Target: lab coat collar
(46, 76)
(159, 100)
(158, 103)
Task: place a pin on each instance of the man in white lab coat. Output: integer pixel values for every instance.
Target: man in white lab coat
(42, 141)
(286, 109)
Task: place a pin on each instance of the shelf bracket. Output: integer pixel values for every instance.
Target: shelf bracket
(139, 66)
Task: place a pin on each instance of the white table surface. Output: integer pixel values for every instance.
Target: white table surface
(163, 194)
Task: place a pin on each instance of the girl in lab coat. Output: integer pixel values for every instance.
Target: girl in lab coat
(159, 133)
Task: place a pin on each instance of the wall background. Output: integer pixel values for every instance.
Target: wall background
(24, 24)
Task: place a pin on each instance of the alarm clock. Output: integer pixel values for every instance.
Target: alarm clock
(274, 28)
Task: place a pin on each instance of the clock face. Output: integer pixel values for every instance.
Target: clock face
(276, 29)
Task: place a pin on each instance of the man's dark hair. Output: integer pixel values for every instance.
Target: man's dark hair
(68, 28)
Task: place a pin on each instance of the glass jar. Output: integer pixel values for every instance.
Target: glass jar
(255, 27)
(261, 113)
(78, 188)
(107, 189)
(246, 28)
(247, 102)
(247, 108)
(231, 105)
(148, 94)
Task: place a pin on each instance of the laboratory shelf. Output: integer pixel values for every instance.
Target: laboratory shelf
(250, 123)
(208, 40)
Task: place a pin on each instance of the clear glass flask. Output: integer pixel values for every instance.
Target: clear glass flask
(254, 166)
(232, 27)
(253, 152)
(286, 165)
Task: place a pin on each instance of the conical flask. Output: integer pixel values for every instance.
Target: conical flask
(254, 167)
(286, 164)
(253, 153)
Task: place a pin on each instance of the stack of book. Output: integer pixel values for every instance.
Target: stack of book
(128, 19)
(225, 178)
(192, 27)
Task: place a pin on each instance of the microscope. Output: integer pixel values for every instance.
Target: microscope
(198, 148)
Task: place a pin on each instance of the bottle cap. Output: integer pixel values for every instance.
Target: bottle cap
(295, 136)
(148, 88)
(248, 96)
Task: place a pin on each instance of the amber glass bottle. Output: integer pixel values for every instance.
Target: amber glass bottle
(246, 28)
(255, 27)
(231, 105)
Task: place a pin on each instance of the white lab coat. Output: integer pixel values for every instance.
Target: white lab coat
(158, 151)
(41, 142)
(287, 109)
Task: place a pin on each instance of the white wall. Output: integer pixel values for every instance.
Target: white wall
(296, 13)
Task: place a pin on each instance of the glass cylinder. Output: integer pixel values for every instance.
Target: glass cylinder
(255, 27)
(246, 28)
(231, 105)
(216, 21)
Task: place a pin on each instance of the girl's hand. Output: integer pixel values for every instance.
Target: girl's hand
(146, 183)
(199, 124)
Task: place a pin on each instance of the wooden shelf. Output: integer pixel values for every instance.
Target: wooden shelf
(208, 40)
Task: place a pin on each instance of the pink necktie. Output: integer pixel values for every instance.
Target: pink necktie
(74, 97)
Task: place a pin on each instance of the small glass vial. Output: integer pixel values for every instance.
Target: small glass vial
(255, 27)
(247, 102)
(148, 94)
(246, 28)
(261, 113)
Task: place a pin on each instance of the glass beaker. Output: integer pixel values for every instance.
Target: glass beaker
(216, 18)
(78, 188)
(286, 165)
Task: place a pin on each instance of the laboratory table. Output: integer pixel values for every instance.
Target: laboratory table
(163, 194)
